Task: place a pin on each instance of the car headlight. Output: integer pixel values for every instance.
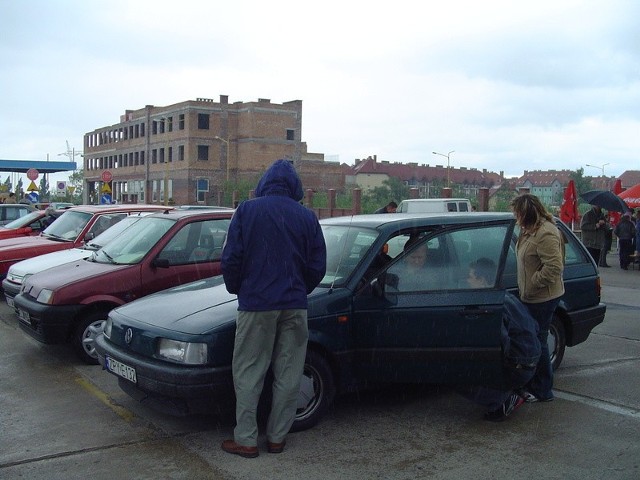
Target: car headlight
(45, 296)
(107, 327)
(183, 352)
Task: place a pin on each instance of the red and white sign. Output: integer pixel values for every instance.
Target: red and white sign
(106, 176)
(32, 174)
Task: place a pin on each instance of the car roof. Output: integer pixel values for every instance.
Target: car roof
(134, 207)
(434, 200)
(402, 220)
(177, 214)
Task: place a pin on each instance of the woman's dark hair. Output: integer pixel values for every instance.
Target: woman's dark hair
(529, 210)
(484, 268)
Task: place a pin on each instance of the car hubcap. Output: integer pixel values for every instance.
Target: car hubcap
(310, 392)
(89, 337)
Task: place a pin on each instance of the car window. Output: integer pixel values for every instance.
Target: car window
(24, 220)
(135, 242)
(197, 242)
(104, 222)
(450, 260)
(346, 247)
(68, 226)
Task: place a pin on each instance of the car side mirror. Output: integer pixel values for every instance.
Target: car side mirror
(89, 236)
(160, 263)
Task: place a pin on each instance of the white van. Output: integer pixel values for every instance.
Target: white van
(434, 205)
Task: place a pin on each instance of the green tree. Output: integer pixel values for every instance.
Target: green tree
(76, 180)
(44, 189)
(504, 195)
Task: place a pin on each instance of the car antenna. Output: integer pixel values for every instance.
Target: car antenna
(344, 248)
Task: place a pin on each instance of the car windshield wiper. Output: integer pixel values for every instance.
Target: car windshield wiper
(57, 238)
(109, 257)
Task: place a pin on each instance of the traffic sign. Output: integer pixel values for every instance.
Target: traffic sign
(32, 174)
(106, 176)
(32, 187)
(105, 199)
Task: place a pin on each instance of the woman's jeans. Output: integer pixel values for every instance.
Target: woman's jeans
(541, 384)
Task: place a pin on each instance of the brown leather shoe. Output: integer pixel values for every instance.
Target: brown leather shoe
(231, 446)
(276, 447)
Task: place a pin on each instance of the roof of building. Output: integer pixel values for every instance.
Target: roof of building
(630, 178)
(541, 178)
(413, 171)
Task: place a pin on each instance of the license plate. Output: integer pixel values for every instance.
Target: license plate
(120, 369)
(10, 301)
(24, 316)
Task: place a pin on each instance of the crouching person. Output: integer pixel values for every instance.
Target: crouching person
(521, 351)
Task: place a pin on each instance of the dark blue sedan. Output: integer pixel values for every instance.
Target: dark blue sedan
(373, 319)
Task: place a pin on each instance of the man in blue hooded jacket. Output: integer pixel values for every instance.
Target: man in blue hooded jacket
(273, 257)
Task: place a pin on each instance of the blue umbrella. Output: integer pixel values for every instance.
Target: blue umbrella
(605, 199)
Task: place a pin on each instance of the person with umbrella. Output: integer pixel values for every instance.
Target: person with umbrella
(594, 228)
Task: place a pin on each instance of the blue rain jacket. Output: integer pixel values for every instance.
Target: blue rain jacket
(275, 252)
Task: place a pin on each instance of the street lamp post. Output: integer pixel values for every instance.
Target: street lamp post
(448, 165)
(601, 167)
(226, 142)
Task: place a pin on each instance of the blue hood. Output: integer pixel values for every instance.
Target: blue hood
(280, 179)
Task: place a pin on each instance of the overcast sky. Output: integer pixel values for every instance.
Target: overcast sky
(508, 85)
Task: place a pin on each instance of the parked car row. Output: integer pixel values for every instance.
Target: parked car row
(370, 321)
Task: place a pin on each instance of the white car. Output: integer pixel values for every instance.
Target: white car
(20, 271)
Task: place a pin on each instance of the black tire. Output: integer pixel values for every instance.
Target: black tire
(88, 328)
(317, 392)
(556, 341)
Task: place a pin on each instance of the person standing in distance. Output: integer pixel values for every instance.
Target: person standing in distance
(593, 226)
(540, 260)
(274, 255)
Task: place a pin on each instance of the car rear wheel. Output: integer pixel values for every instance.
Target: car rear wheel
(317, 391)
(556, 341)
(89, 327)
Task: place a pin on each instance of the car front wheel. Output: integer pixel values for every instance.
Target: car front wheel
(556, 341)
(317, 391)
(89, 327)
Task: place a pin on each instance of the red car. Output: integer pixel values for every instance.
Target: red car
(75, 226)
(31, 224)
(70, 302)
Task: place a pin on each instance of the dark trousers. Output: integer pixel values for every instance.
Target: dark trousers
(595, 254)
(625, 250)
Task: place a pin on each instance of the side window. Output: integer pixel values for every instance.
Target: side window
(197, 242)
(419, 267)
(104, 222)
(464, 259)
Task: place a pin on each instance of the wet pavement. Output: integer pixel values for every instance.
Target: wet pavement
(62, 419)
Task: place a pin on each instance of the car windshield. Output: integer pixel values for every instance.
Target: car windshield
(346, 247)
(113, 232)
(24, 220)
(135, 242)
(68, 226)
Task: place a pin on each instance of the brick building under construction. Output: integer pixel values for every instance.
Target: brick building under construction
(196, 149)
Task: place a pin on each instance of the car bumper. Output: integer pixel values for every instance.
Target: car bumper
(171, 388)
(10, 291)
(46, 323)
(583, 321)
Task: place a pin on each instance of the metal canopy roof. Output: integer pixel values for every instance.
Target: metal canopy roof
(21, 166)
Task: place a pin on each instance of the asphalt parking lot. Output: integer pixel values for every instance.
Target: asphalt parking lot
(62, 419)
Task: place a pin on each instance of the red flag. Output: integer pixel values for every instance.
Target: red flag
(569, 208)
(614, 217)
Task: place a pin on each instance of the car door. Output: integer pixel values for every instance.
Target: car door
(437, 328)
(191, 252)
